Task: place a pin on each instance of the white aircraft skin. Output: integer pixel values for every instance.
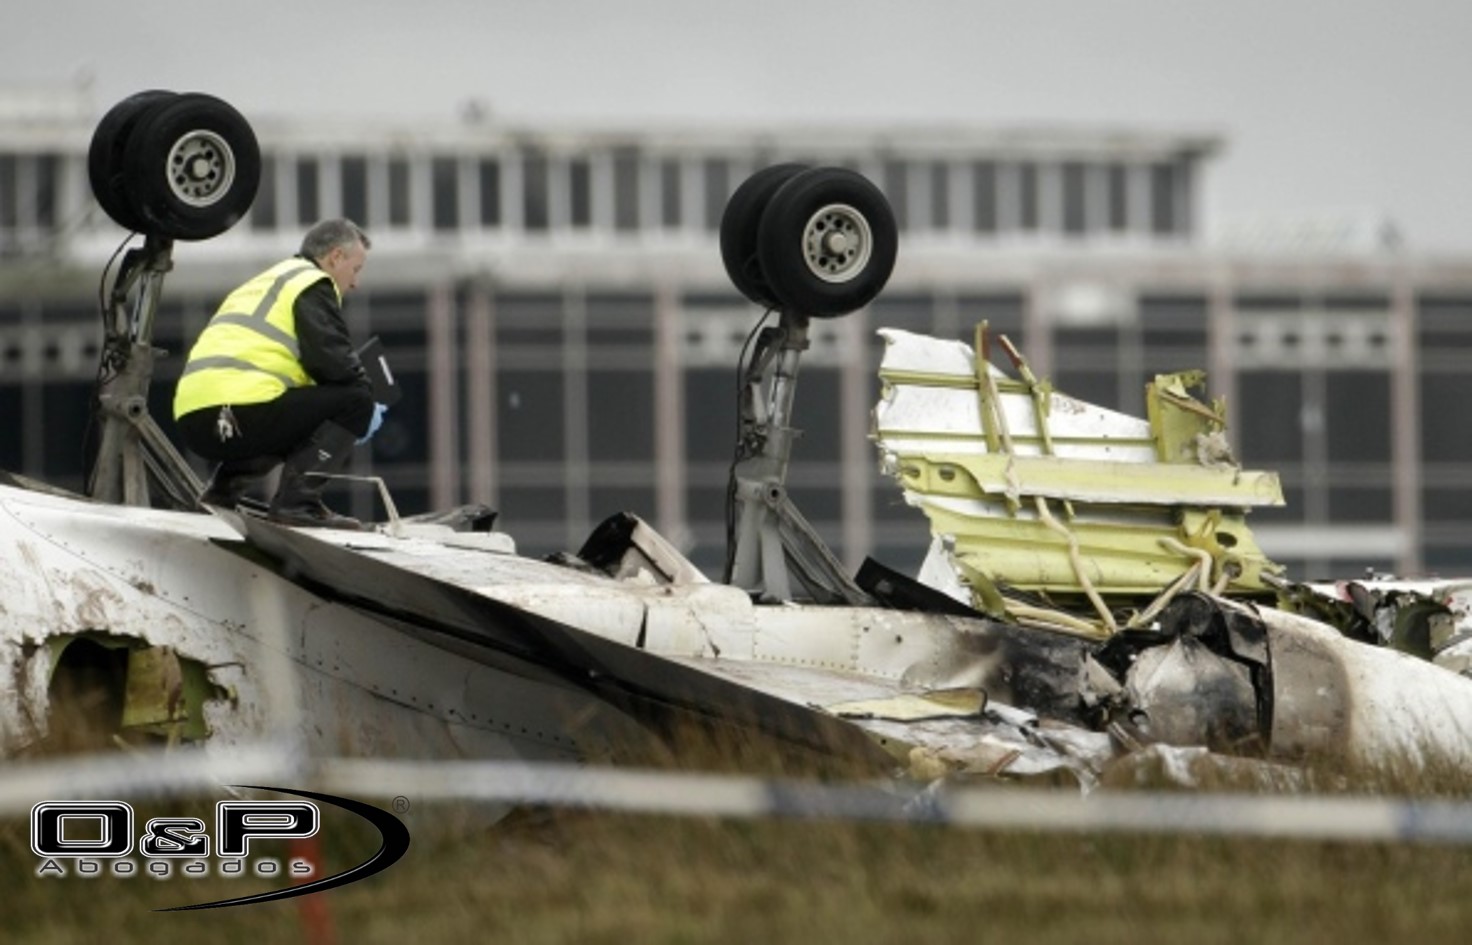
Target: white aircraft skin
(285, 661)
(344, 674)
(345, 681)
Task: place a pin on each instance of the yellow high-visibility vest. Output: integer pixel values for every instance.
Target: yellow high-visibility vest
(248, 353)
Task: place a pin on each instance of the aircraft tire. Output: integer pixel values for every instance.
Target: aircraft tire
(193, 165)
(827, 242)
(105, 167)
(739, 223)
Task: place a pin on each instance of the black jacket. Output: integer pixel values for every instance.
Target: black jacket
(327, 351)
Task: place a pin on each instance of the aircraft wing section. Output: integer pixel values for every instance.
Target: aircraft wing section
(444, 596)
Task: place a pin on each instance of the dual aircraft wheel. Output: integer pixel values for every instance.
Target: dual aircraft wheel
(817, 241)
(181, 166)
(820, 241)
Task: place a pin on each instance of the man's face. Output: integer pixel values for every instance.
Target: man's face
(343, 264)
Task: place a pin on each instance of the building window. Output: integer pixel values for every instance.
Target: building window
(398, 192)
(620, 427)
(1263, 394)
(984, 197)
(1361, 504)
(620, 320)
(717, 190)
(898, 194)
(1095, 387)
(707, 441)
(671, 206)
(940, 196)
(28, 188)
(1443, 423)
(1447, 505)
(1074, 210)
(911, 312)
(1173, 330)
(526, 320)
(47, 166)
(1163, 199)
(1445, 325)
(355, 189)
(535, 211)
(263, 209)
(1028, 182)
(1005, 313)
(308, 200)
(626, 189)
(580, 190)
(8, 190)
(444, 173)
(1118, 198)
(490, 192)
(530, 415)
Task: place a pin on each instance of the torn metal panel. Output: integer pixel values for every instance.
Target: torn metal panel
(166, 694)
(1421, 618)
(1184, 694)
(1456, 656)
(1272, 684)
(988, 476)
(1185, 429)
(915, 706)
(1031, 490)
(1198, 768)
(625, 547)
(932, 399)
(1037, 550)
(83, 570)
(1001, 741)
(1195, 678)
(274, 657)
(1005, 743)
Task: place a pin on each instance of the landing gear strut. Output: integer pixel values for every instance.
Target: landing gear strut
(812, 243)
(168, 166)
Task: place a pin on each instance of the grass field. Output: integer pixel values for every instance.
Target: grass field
(571, 876)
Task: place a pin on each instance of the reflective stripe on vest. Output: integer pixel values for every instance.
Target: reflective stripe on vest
(249, 353)
(221, 361)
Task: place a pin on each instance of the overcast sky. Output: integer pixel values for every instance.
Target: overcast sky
(1325, 105)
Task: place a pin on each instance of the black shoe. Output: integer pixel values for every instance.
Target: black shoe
(299, 499)
(230, 480)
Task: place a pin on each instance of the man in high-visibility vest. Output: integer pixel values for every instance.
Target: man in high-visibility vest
(274, 379)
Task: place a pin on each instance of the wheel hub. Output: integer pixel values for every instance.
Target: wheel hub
(837, 243)
(201, 168)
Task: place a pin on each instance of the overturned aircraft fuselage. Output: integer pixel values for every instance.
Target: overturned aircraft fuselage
(1092, 592)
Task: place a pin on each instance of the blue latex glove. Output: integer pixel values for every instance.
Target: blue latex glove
(378, 411)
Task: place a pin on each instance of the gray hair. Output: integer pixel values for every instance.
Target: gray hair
(328, 235)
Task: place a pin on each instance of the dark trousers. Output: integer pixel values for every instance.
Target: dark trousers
(277, 427)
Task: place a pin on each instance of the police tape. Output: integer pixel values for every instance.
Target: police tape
(406, 783)
(1350, 818)
(140, 774)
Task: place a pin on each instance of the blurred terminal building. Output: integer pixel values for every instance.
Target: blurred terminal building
(554, 303)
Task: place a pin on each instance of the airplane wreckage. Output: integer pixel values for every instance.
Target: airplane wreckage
(1092, 593)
